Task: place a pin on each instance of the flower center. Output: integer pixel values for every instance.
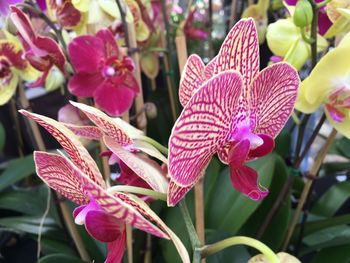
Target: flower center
(5, 71)
(339, 101)
(114, 67)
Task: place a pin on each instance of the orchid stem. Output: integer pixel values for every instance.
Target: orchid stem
(137, 190)
(322, 4)
(313, 173)
(189, 225)
(240, 240)
(125, 24)
(154, 143)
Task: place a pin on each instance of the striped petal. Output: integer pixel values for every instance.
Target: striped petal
(240, 51)
(54, 170)
(71, 144)
(191, 79)
(202, 128)
(210, 68)
(272, 97)
(86, 132)
(151, 174)
(106, 123)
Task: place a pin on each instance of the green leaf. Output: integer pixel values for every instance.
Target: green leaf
(339, 254)
(60, 258)
(330, 237)
(342, 147)
(283, 143)
(31, 225)
(228, 209)
(277, 227)
(16, 170)
(2, 137)
(30, 201)
(332, 200)
(52, 246)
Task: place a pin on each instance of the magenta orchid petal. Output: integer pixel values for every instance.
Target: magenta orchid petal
(71, 144)
(40, 81)
(324, 23)
(80, 212)
(84, 85)
(238, 153)
(116, 249)
(244, 180)
(150, 173)
(129, 177)
(191, 78)
(336, 115)
(87, 54)
(114, 100)
(265, 148)
(110, 45)
(272, 97)
(202, 128)
(60, 176)
(210, 68)
(54, 52)
(102, 226)
(240, 51)
(105, 123)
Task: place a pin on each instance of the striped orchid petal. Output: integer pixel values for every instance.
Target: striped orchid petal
(191, 79)
(104, 122)
(149, 149)
(60, 176)
(153, 175)
(71, 144)
(240, 51)
(272, 97)
(86, 132)
(210, 68)
(202, 129)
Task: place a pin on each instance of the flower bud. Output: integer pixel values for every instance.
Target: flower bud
(303, 13)
(151, 110)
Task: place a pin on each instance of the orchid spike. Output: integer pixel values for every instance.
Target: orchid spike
(100, 211)
(237, 113)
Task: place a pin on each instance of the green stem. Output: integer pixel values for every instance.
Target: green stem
(307, 39)
(189, 225)
(124, 22)
(240, 240)
(322, 4)
(137, 190)
(154, 143)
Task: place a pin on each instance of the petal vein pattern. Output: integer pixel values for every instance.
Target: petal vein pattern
(191, 79)
(240, 51)
(71, 144)
(106, 123)
(272, 97)
(203, 127)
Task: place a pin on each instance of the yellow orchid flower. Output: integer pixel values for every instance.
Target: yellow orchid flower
(259, 13)
(282, 256)
(12, 67)
(149, 60)
(329, 85)
(285, 40)
(338, 12)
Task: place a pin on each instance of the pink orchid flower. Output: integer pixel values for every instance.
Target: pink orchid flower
(41, 52)
(65, 13)
(102, 72)
(104, 213)
(232, 109)
(190, 30)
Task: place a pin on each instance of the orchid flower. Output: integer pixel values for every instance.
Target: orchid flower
(258, 12)
(41, 52)
(5, 4)
(329, 85)
(192, 31)
(65, 13)
(103, 212)
(13, 67)
(232, 109)
(102, 73)
(285, 40)
(149, 59)
(338, 12)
